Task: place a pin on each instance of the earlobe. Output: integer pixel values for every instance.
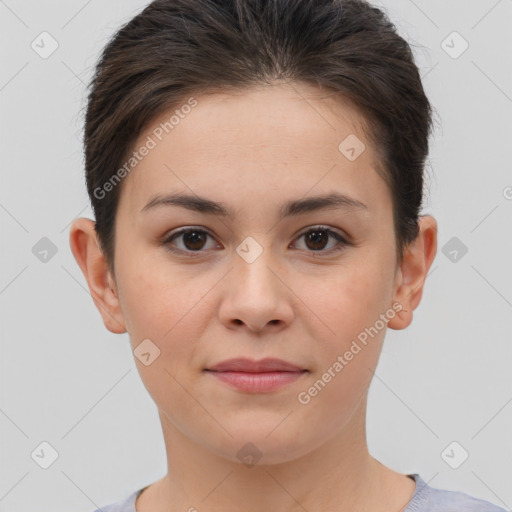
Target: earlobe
(418, 258)
(90, 259)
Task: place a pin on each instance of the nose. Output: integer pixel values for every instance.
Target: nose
(255, 295)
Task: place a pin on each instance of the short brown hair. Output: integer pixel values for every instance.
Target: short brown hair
(176, 48)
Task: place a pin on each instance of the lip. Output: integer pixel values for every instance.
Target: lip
(256, 376)
(242, 364)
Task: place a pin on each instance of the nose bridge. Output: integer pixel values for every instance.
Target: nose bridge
(253, 265)
(255, 295)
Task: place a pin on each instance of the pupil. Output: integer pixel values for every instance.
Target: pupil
(316, 238)
(193, 238)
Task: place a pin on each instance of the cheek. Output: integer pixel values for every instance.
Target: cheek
(348, 299)
(151, 293)
(165, 304)
(348, 348)
(349, 305)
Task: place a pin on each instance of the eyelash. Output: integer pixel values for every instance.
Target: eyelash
(343, 243)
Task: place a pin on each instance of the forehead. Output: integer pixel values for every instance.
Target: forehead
(264, 140)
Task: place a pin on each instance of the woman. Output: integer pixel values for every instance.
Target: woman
(256, 173)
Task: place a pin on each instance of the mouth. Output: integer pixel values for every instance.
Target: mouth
(256, 376)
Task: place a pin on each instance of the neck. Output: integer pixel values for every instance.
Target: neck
(338, 475)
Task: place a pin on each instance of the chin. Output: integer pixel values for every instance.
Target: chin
(256, 447)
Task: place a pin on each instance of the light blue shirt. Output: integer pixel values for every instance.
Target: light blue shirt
(424, 499)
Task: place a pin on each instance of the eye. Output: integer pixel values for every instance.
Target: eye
(193, 240)
(317, 237)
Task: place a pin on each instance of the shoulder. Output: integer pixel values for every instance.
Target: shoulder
(428, 498)
(126, 504)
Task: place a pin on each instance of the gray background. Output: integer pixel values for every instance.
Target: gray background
(68, 381)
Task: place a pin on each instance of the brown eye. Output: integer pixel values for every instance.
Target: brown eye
(192, 240)
(317, 238)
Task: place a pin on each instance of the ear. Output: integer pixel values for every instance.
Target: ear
(87, 253)
(410, 277)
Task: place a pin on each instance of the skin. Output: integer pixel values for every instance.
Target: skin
(254, 151)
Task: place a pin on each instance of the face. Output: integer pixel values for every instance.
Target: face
(305, 284)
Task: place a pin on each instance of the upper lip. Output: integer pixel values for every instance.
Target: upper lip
(252, 366)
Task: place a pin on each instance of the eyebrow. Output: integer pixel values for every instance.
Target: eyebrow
(291, 208)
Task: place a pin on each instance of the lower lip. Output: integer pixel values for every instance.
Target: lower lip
(257, 382)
